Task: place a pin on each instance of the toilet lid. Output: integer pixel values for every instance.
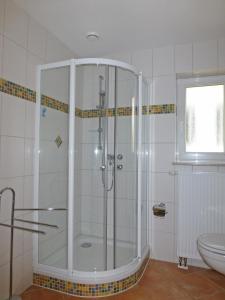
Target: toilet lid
(213, 240)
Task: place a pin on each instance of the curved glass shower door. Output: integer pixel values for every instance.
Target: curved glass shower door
(53, 164)
(87, 141)
(125, 149)
(105, 203)
(90, 228)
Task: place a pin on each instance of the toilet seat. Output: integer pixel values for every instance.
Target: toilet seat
(213, 242)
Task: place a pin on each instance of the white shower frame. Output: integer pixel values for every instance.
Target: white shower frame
(70, 273)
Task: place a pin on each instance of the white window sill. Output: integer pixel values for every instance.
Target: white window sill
(199, 163)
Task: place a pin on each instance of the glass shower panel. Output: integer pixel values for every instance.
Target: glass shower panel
(126, 142)
(53, 164)
(90, 227)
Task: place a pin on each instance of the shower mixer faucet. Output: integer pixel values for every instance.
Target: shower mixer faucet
(119, 156)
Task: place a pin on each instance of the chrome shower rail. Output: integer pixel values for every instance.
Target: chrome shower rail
(12, 227)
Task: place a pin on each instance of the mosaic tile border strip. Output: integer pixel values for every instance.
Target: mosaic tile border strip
(127, 111)
(22, 92)
(109, 112)
(162, 109)
(17, 90)
(90, 290)
(54, 104)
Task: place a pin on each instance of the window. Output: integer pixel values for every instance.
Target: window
(201, 118)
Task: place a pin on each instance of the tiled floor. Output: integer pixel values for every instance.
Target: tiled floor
(161, 281)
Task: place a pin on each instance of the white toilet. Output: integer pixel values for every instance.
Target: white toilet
(212, 249)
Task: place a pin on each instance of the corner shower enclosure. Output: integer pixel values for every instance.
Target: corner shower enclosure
(91, 157)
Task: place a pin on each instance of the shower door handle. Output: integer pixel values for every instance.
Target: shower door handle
(103, 167)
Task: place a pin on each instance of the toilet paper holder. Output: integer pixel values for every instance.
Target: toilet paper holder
(159, 210)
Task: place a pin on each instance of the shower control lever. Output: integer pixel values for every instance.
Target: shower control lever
(119, 156)
(119, 167)
(103, 167)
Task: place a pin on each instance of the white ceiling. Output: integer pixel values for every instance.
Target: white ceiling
(126, 25)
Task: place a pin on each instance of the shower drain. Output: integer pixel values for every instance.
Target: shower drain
(86, 245)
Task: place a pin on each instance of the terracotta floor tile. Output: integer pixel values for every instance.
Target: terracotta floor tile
(31, 289)
(155, 272)
(43, 294)
(218, 296)
(214, 276)
(197, 286)
(130, 295)
(68, 297)
(169, 270)
(165, 290)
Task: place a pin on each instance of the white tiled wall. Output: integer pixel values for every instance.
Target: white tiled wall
(163, 61)
(205, 56)
(161, 66)
(221, 54)
(164, 89)
(183, 58)
(23, 44)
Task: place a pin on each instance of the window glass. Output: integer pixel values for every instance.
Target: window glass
(204, 119)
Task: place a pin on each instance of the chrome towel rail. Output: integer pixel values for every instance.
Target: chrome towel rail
(36, 223)
(41, 209)
(12, 227)
(22, 228)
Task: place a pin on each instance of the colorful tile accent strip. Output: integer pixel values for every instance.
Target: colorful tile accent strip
(127, 111)
(17, 90)
(109, 112)
(162, 109)
(89, 290)
(78, 112)
(22, 92)
(55, 104)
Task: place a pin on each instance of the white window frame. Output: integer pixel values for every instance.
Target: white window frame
(182, 84)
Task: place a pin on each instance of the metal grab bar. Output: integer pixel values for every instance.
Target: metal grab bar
(36, 223)
(22, 228)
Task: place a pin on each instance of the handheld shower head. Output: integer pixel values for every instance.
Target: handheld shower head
(101, 90)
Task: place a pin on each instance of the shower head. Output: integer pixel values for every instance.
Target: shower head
(101, 91)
